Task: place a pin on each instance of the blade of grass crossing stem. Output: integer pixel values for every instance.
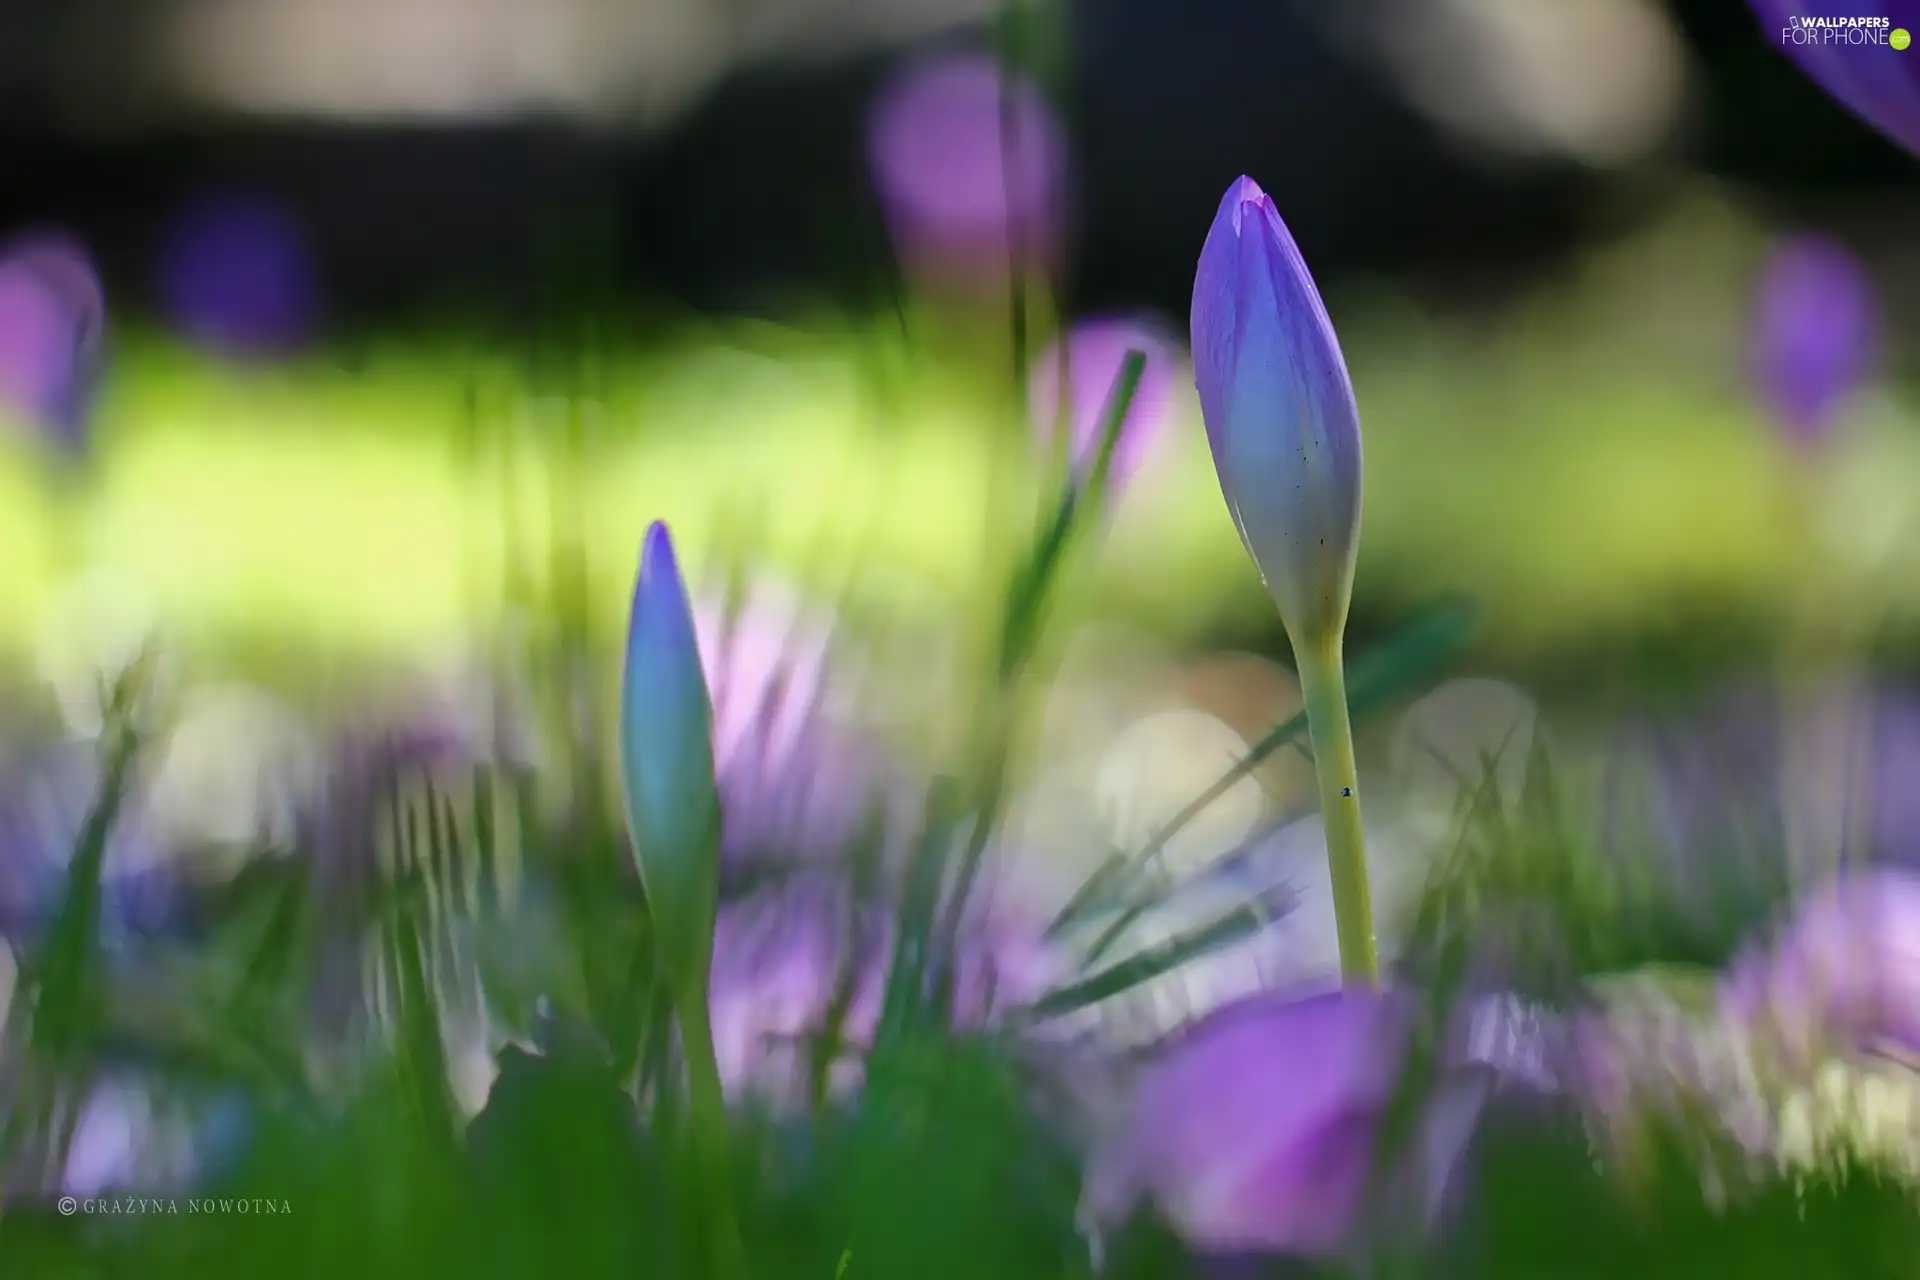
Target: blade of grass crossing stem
(1406, 662)
(1230, 927)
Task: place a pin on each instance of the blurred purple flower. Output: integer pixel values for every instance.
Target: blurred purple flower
(236, 273)
(1095, 350)
(1843, 977)
(1814, 331)
(52, 323)
(1893, 780)
(1258, 1130)
(1692, 803)
(376, 782)
(1875, 81)
(779, 962)
(124, 1141)
(46, 799)
(953, 197)
(1649, 1056)
(785, 960)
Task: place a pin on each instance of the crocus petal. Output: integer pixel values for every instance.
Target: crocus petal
(1279, 411)
(666, 751)
(1256, 1130)
(1855, 63)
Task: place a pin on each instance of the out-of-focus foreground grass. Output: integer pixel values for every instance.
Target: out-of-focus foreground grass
(1585, 461)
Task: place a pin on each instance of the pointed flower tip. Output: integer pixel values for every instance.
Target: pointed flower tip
(1279, 412)
(656, 548)
(660, 582)
(1245, 191)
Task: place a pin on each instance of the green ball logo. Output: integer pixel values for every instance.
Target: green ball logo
(1899, 38)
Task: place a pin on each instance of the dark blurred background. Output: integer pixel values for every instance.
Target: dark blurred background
(491, 155)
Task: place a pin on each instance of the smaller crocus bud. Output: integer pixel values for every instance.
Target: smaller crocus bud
(1814, 332)
(1879, 82)
(1095, 351)
(1280, 414)
(666, 754)
(52, 321)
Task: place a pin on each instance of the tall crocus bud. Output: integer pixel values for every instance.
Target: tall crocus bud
(1867, 68)
(673, 817)
(1285, 435)
(1280, 414)
(1814, 330)
(666, 754)
(52, 320)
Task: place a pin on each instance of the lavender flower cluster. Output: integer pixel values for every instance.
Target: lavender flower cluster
(1257, 1119)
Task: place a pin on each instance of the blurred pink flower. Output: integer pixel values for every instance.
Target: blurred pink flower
(1843, 977)
(1257, 1131)
(52, 322)
(1815, 327)
(785, 960)
(797, 781)
(1095, 350)
(954, 195)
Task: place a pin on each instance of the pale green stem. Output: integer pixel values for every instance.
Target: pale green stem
(1323, 687)
(707, 1114)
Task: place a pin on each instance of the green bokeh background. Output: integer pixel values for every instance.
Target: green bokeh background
(1586, 459)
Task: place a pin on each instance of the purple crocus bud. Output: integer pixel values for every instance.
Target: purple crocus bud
(1280, 414)
(52, 323)
(1844, 977)
(968, 190)
(666, 755)
(1095, 350)
(1814, 331)
(1257, 1131)
(236, 274)
(1857, 51)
